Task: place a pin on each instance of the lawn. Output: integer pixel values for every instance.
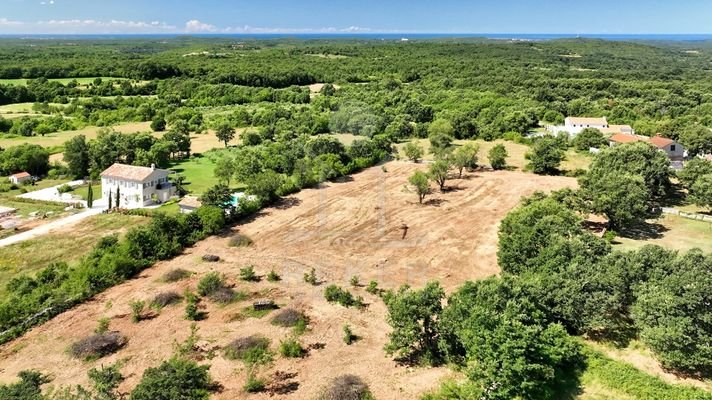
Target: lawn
(671, 232)
(70, 246)
(198, 172)
(24, 209)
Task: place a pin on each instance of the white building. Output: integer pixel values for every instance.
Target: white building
(574, 125)
(20, 177)
(137, 186)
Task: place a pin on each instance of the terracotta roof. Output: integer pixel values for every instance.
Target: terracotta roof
(190, 201)
(588, 121)
(625, 138)
(21, 175)
(660, 142)
(130, 172)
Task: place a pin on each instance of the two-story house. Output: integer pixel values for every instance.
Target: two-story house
(137, 186)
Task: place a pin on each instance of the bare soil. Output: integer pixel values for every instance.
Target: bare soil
(342, 229)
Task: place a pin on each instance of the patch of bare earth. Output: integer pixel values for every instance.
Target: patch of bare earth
(341, 230)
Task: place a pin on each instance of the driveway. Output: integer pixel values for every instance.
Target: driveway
(52, 193)
(51, 226)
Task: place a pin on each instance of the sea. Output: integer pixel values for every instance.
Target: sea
(386, 36)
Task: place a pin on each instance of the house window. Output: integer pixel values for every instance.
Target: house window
(672, 147)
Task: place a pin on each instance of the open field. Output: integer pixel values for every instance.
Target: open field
(35, 254)
(341, 230)
(198, 172)
(516, 151)
(672, 232)
(63, 81)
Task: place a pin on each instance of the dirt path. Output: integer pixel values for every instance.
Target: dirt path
(341, 230)
(53, 226)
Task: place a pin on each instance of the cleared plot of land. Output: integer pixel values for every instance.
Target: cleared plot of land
(672, 232)
(35, 254)
(516, 151)
(341, 230)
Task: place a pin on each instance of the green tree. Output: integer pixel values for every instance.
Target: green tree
(264, 185)
(545, 156)
(439, 171)
(90, 196)
(419, 180)
(498, 157)
(589, 138)
(224, 169)
(697, 139)
(219, 196)
(623, 198)
(29, 387)
(413, 315)
(702, 191)
(76, 155)
(465, 157)
(175, 379)
(440, 135)
(693, 170)
(413, 151)
(118, 197)
(225, 133)
(158, 124)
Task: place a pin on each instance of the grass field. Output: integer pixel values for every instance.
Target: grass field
(671, 232)
(35, 254)
(516, 151)
(63, 81)
(198, 172)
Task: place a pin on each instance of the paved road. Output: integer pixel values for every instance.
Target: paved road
(51, 226)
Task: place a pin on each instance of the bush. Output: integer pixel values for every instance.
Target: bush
(372, 288)
(98, 345)
(310, 277)
(176, 275)
(288, 318)
(355, 281)
(346, 387)
(137, 307)
(165, 299)
(225, 295)
(335, 294)
(349, 336)
(252, 350)
(29, 387)
(254, 384)
(191, 307)
(273, 277)
(175, 379)
(210, 283)
(248, 274)
(291, 348)
(102, 326)
(240, 240)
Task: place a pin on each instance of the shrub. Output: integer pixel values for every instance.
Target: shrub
(103, 326)
(372, 288)
(288, 318)
(310, 277)
(273, 277)
(349, 336)
(240, 240)
(174, 379)
(191, 307)
(346, 387)
(210, 283)
(176, 275)
(252, 350)
(355, 281)
(29, 387)
(98, 345)
(254, 384)
(225, 295)
(137, 307)
(248, 274)
(335, 294)
(165, 299)
(291, 348)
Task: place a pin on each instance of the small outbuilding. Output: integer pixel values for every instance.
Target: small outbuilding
(189, 204)
(20, 178)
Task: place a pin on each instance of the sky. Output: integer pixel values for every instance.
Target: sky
(362, 16)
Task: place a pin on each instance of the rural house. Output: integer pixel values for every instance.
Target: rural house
(574, 125)
(674, 150)
(137, 186)
(20, 178)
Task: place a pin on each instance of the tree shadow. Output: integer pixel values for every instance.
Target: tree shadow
(435, 202)
(287, 203)
(644, 231)
(675, 197)
(452, 189)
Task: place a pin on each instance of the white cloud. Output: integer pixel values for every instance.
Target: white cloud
(7, 22)
(195, 26)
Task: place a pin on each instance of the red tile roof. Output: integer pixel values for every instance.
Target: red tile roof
(625, 138)
(130, 172)
(21, 175)
(661, 142)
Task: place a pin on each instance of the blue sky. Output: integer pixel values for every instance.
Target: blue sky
(295, 16)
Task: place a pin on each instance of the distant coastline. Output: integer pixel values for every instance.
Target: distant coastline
(386, 36)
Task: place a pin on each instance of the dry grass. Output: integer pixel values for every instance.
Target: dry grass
(98, 345)
(345, 387)
(671, 232)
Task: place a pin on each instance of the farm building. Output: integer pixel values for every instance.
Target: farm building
(20, 178)
(574, 125)
(674, 150)
(137, 187)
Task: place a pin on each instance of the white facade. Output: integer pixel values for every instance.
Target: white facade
(137, 186)
(574, 125)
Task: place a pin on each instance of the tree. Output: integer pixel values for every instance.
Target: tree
(413, 315)
(498, 157)
(264, 185)
(224, 169)
(439, 172)
(218, 196)
(29, 387)
(545, 156)
(76, 155)
(225, 133)
(181, 142)
(25, 157)
(413, 151)
(673, 313)
(419, 180)
(175, 379)
(623, 198)
(693, 170)
(697, 139)
(158, 124)
(589, 138)
(118, 197)
(702, 191)
(90, 196)
(465, 157)
(440, 136)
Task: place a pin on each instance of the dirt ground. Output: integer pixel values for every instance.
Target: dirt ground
(341, 230)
